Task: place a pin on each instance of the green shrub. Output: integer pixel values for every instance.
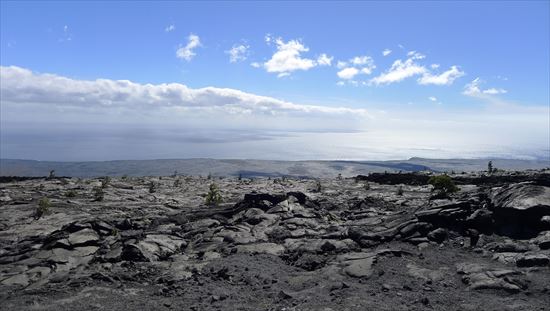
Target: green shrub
(399, 190)
(42, 208)
(367, 186)
(443, 183)
(177, 183)
(98, 193)
(153, 186)
(71, 193)
(105, 182)
(318, 186)
(213, 198)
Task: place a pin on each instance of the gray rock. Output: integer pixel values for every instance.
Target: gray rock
(85, 236)
(360, 268)
(533, 260)
(262, 248)
(438, 235)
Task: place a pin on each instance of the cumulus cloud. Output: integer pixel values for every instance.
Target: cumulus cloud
(324, 60)
(474, 89)
(399, 71)
(445, 78)
(238, 53)
(170, 28)
(432, 98)
(21, 86)
(187, 52)
(354, 66)
(386, 52)
(287, 58)
(348, 73)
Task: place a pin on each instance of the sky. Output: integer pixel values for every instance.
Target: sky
(354, 80)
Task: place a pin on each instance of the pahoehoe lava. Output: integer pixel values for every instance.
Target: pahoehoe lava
(373, 242)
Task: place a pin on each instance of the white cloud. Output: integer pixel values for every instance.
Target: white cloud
(386, 52)
(493, 91)
(341, 64)
(67, 36)
(474, 89)
(238, 53)
(324, 60)
(415, 55)
(186, 52)
(399, 71)
(354, 66)
(256, 65)
(445, 78)
(361, 60)
(170, 28)
(23, 87)
(432, 98)
(348, 73)
(434, 66)
(288, 57)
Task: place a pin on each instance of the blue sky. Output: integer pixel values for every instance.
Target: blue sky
(467, 70)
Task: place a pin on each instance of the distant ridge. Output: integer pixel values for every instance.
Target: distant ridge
(253, 168)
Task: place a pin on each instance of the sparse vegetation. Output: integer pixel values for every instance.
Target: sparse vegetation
(43, 207)
(443, 184)
(153, 187)
(105, 182)
(318, 186)
(490, 168)
(124, 177)
(399, 190)
(98, 194)
(213, 198)
(71, 193)
(177, 183)
(51, 175)
(367, 186)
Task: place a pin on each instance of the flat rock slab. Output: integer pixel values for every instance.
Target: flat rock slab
(262, 248)
(360, 268)
(84, 236)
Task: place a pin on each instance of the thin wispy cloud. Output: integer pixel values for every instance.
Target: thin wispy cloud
(474, 89)
(67, 35)
(386, 52)
(445, 78)
(238, 53)
(399, 71)
(187, 52)
(170, 28)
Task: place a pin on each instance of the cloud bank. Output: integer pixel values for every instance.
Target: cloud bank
(22, 86)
